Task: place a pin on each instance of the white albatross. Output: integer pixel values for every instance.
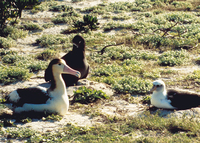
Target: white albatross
(38, 99)
(173, 98)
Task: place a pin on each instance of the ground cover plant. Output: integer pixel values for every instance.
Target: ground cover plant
(85, 95)
(128, 46)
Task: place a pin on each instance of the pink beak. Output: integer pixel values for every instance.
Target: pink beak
(152, 89)
(71, 71)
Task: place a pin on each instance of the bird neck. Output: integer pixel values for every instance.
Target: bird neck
(160, 94)
(58, 87)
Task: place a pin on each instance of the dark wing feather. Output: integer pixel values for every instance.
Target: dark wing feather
(31, 95)
(183, 99)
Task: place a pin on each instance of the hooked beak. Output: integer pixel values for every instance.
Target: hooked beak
(75, 45)
(71, 71)
(152, 89)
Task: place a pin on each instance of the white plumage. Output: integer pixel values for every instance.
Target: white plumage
(173, 98)
(54, 100)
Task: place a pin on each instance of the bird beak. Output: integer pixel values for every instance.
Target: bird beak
(71, 71)
(75, 45)
(152, 89)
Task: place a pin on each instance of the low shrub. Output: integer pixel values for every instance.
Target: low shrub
(194, 76)
(67, 20)
(89, 22)
(12, 74)
(132, 85)
(44, 6)
(6, 51)
(174, 58)
(24, 62)
(48, 40)
(47, 55)
(61, 8)
(31, 26)
(10, 59)
(14, 32)
(74, 1)
(36, 66)
(6, 43)
(48, 25)
(108, 70)
(86, 95)
(181, 4)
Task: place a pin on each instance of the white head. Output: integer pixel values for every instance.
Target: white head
(60, 66)
(56, 68)
(158, 86)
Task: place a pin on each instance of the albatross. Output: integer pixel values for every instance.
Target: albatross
(173, 98)
(39, 99)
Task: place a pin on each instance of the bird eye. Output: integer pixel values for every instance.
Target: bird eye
(59, 64)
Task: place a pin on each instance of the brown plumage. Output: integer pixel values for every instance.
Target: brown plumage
(75, 59)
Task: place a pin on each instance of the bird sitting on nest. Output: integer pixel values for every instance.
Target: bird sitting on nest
(173, 98)
(38, 99)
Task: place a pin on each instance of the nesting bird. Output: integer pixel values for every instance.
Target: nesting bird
(76, 59)
(53, 100)
(173, 98)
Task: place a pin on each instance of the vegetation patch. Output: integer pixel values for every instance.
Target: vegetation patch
(6, 43)
(14, 32)
(31, 26)
(12, 74)
(48, 40)
(60, 8)
(69, 17)
(132, 85)
(48, 25)
(47, 55)
(174, 58)
(43, 6)
(172, 129)
(86, 95)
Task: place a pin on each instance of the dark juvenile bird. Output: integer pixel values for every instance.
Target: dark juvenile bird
(38, 99)
(173, 98)
(76, 59)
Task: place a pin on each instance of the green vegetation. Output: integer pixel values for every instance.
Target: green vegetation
(14, 32)
(89, 21)
(6, 43)
(172, 130)
(13, 74)
(61, 8)
(48, 40)
(44, 6)
(18, 67)
(31, 26)
(13, 9)
(47, 54)
(48, 25)
(172, 58)
(85, 95)
(52, 117)
(67, 17)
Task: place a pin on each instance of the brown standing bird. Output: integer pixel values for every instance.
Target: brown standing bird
(76, 59)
